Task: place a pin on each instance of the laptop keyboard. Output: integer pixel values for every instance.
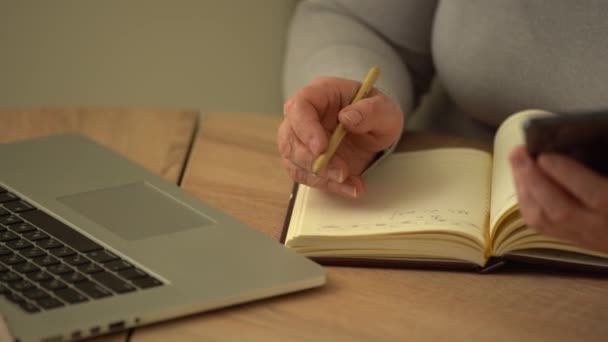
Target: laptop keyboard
(45, 264)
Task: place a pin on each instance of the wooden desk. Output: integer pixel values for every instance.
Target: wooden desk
(234, 166)
(157, 140)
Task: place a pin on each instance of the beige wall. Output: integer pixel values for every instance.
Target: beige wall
(215, 55)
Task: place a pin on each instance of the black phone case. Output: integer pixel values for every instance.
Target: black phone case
(582, 136)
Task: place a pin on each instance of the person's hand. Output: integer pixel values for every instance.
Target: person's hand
(5, 334)
(312, 114)
(562, 198)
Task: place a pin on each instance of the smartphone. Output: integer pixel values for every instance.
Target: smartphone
(582, 136)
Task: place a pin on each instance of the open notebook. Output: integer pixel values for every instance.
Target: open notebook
(450, 207)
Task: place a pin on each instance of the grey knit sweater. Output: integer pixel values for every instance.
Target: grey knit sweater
(491, 57)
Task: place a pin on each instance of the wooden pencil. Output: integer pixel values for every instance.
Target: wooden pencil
(336, 138)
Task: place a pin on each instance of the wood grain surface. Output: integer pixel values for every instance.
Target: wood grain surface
(235, 166)
(157, 140)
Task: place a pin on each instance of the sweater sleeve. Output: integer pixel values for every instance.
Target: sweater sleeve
(344, 38)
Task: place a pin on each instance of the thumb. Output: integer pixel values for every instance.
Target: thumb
(378, 115)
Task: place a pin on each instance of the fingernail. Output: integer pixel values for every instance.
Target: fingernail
(352, 117)
(336, 175)
(349, 190)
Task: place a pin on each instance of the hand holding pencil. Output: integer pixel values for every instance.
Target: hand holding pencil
(333, 122)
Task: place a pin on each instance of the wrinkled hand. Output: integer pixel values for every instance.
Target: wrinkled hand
(562, 198)
(312, 114)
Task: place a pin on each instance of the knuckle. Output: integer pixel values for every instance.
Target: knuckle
(284, 140)
(289, 104)
(284, 148)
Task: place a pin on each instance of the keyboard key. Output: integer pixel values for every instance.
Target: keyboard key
(73, 277)
(3, 268)
(62, 252)
(146, 282)
(54, 284)
(76, 260)
(118, 265)
(26, 267)
(9, 219)
(71, 296)
(3, 211)
(90, 268)
(5, 251)
(49, 244)
(35, 235)
(59, 269)
(32, 252)
(7, 235)
(18, 206)
(8, 277)
(15, 298)
(61, 231)
(113, 282)
(93, 290)
(8, 197)
(132, 273)
(19, 244)
(22, 285)
(4, 290)
(46, 261)
(29, 307)
(21, 227)
(11, 259)
(49, 303)
(102, 256)
(35, 294)
(39, 276)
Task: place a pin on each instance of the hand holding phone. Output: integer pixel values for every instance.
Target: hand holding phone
(582, 136)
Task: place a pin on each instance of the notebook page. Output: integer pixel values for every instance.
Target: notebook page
(443, 190)
(509, 135)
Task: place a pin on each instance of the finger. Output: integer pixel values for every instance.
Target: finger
(555, 203)
(585, 229)
(530, 209)
(378, 115)
(303, 176)
(293, 149)
(587, 186)
(594, 235)
(578, 225)
(350, 189)
(303, 111)
(5, 334)
(301, 155)
(337, 170)
(284, 139)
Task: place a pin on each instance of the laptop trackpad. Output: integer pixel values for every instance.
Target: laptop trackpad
(135, 211)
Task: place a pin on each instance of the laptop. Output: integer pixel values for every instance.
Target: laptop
(91, 243)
